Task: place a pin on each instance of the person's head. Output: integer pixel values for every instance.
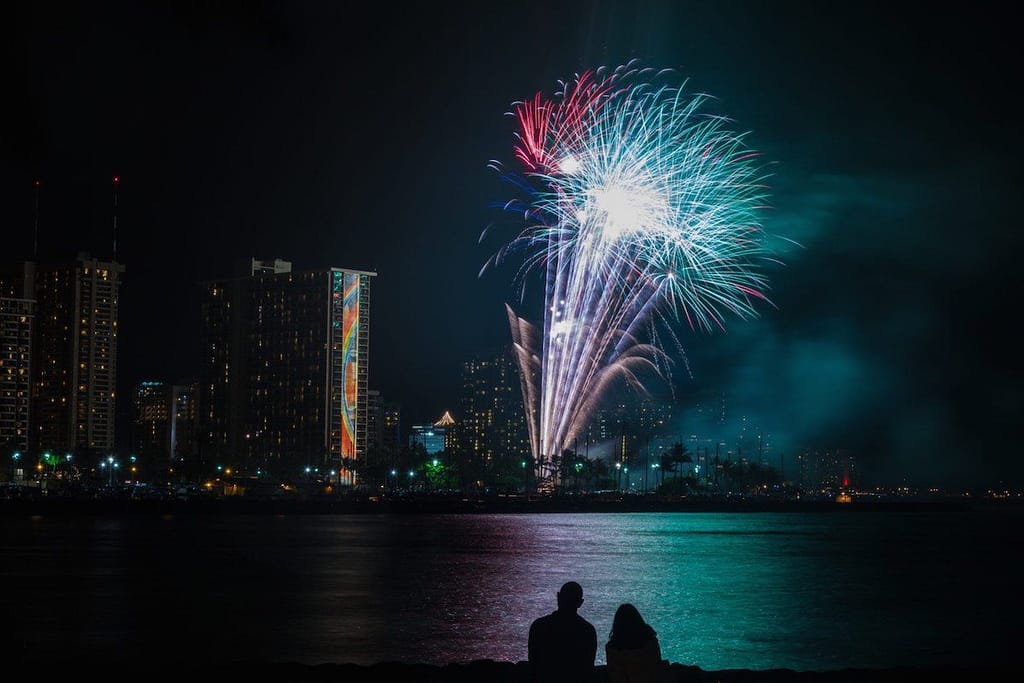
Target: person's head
(629, 628)
(570, 596)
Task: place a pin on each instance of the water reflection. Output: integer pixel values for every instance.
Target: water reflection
(744, 590)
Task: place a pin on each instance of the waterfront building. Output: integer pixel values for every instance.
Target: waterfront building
(492, 430)
(374, 427)
(16, 320)
(73, 357)
(151, 426)
(183, 424)
(163, 426)
(391, 430)
(284, 370)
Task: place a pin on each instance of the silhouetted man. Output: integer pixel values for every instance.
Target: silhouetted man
(563, 645)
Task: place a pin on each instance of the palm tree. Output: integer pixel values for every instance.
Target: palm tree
(665, 463)
(567, 468)
(680, 454)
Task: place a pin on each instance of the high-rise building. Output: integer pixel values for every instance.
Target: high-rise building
(76, 354)
(391, 430)
(374, 426)
(183, 425)
(827, 469)
(151, 427)
(163, 427)
(16, 319)
(492, 430)
(283, 378)
(632, 424)
(73, 356)
(383, 430)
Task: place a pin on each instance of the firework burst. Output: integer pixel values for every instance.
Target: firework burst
(642, 214)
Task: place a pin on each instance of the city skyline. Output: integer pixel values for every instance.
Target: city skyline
(262, 131)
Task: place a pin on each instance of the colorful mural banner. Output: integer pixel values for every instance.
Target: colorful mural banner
(350, 365)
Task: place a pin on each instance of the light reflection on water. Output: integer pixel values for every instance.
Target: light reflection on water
(813, 591)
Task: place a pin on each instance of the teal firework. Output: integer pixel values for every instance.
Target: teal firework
(642, 213)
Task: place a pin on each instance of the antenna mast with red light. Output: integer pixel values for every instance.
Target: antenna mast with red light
(117, 181)
(35, 227)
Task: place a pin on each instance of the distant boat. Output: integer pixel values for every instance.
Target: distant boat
(844, 497)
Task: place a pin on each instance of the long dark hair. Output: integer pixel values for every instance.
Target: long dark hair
(629, 630)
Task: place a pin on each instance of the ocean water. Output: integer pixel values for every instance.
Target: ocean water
(805, 591)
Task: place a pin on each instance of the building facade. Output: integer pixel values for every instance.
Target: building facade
(430, 436)
(73, 358)
(163, 427)
(285, 361)
(16, 320)
(183, 426)
(492, 431)
(151, 427)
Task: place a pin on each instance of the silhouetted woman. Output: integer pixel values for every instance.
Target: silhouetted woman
(633, 653)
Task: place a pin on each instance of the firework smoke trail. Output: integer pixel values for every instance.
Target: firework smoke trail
(643, 211)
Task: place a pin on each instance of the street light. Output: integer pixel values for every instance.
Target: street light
(110, 465)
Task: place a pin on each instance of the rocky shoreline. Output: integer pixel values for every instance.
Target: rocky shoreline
(489, 671)
(508, 672)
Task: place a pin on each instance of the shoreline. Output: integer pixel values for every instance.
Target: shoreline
(57, 504)
(491, 671)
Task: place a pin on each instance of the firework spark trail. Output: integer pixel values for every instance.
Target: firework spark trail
(643, 212)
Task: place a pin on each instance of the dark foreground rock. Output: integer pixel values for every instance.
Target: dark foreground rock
(488, 671)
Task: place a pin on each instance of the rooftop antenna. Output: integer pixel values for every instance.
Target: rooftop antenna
(117, 181)
(35, 227)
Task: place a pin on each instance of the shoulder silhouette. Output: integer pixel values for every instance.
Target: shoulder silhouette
(633, 652)
(563, 645)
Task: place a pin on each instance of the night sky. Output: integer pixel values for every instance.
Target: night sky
(329, 137)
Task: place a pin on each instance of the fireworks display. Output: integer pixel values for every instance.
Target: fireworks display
(641, 214)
